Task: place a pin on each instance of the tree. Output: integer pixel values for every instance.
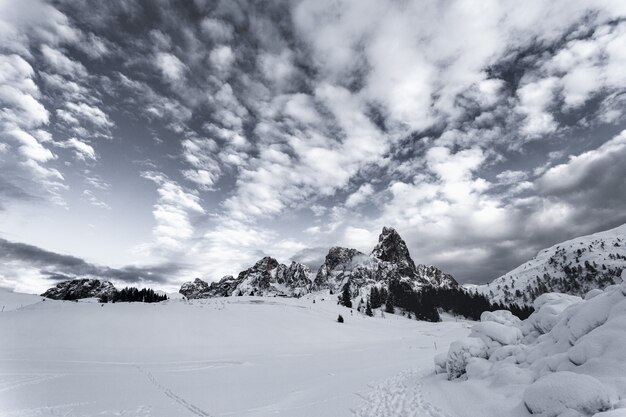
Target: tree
(340, 319)
(368, 310)
(389, 303)
(345, 298)
(375, 300)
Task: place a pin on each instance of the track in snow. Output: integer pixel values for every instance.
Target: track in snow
(26, 380)
(189, 406)
(400, 396)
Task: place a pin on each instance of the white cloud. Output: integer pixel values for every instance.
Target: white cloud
(172, 69)
(86, 112)
(62, 64)
(217, 30)
(360, 196)
(82, 150)
(19, 94)
(222, 57)
(173, 213)
(535, 99)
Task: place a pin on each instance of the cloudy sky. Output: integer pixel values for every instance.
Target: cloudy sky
(152, 142)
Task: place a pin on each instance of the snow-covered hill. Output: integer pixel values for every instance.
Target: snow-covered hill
(234, 356)
(572, 267)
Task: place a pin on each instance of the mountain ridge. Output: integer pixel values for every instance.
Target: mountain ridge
(390, 260)
(574, 266)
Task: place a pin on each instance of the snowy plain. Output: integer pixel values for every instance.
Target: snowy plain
(236, 356)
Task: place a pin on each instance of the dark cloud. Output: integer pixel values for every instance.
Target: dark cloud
(57, 267)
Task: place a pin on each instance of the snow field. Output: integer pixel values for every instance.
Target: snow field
(235, 356)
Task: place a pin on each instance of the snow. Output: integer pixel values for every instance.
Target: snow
(555, 393)
(460, 353)
(599, 256)
(254, 356)
(10, 300)
(502, 334)
(234, 356)
(500, 316)
(566, 359)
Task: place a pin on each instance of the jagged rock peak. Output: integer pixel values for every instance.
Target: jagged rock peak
(80, 288)
(196, 289)
(392, 248)
(267, 263)
(338, 255)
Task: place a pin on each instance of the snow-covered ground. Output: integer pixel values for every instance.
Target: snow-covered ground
(237, 356)
(568, 359)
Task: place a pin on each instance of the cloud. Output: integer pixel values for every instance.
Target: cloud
(591, 183)
(268, 127)
(172, 69)
(49, 266)
(19, 94)
(222, 57)
(82, 150)
(535, 99)
(360, 196)
(62, 64)
(172, 213)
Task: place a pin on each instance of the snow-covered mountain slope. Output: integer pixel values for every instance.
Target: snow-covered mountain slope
(572, 267)
(10, 300)
(566, 359)
(389, 260)
(234, 356)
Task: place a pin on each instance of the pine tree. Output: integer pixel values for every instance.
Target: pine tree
(375, 297)
(340, 319)
(345, 298)
(368, 310)
(389, 303)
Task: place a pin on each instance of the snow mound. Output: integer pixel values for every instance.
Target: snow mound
(461, 352)
(500, 316)
(560, 392)
(568, 358)
(501, 334)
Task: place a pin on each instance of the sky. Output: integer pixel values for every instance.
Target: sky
(152, 142)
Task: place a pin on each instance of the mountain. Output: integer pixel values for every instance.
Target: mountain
(389, 261)
(572, 267)
(80, 288)
(267, 277)
(195, 289)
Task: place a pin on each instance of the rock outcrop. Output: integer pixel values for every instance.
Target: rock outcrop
(195, 289)
(80, 288)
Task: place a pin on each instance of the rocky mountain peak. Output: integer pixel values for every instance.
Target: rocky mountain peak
(265, 264)
(80, 288)
(392, 248)
(196, 289)
(338, 255)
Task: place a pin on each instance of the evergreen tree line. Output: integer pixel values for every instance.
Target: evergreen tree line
(132, 294)
(471, 305)
(425, 304)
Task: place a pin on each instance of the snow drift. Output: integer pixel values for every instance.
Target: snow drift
(567, 359)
